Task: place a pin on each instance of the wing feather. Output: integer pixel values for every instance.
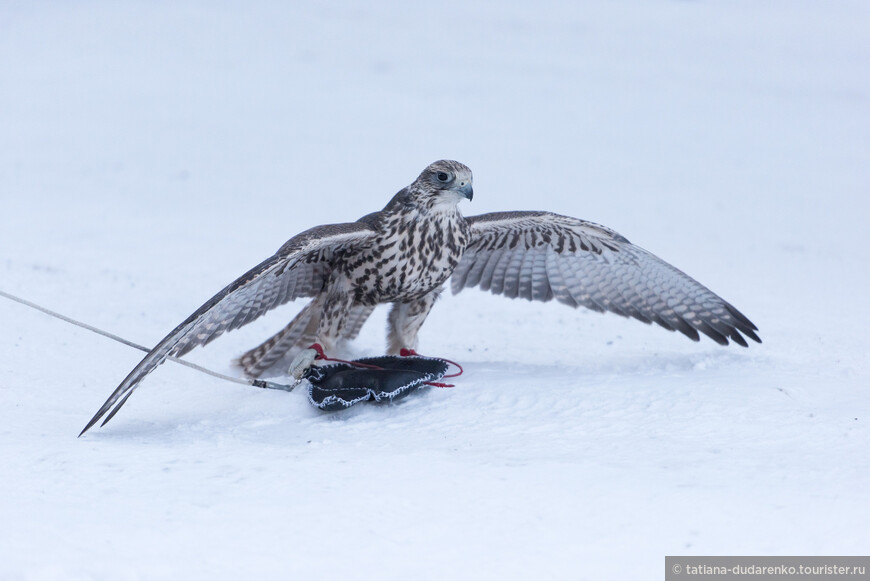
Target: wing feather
(540, 256)
(460, 273)
(500, 271)
(577, 287)
(541, 290)
(359, 314)
(475, 271)
(512, 272)
(557, 280)
(524, 276)
(489, 268)
(273, 282)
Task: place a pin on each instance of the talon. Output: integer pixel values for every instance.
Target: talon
(303, 361)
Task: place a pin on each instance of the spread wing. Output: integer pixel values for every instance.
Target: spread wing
(541, 256)
(300, 268)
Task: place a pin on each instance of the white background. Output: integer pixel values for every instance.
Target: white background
(150, 152)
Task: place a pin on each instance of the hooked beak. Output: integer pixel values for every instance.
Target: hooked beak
(465, 189)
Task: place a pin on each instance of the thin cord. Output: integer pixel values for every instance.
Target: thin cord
(253, 382)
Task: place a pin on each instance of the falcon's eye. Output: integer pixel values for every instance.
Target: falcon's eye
(443, 177)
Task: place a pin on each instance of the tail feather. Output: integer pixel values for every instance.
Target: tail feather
(359, 314)
(299, 333)
(280, 349)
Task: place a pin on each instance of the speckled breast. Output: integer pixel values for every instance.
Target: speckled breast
(414, 259)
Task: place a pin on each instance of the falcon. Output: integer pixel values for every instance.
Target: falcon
(404, 254)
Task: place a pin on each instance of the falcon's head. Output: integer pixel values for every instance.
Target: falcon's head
(446, 181)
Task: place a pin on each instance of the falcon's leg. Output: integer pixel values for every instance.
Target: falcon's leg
(298, 333)
(303, 361)
(405, 321)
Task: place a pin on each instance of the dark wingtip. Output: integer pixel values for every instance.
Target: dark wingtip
(117, 407)
(740, 317)
(742, 325)
(94, 420)
(712, 333)
(752, 335)
(687, 330)
(738, 338)
(105, 408)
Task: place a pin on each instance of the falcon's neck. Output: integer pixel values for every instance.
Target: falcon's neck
(409, 206)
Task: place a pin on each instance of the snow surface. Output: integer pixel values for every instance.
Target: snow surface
(150, 152)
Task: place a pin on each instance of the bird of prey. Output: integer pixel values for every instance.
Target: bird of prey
(405, 253)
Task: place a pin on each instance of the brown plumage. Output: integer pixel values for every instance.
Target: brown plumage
(406, 252)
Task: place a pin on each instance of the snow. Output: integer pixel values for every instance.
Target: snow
(152, 152)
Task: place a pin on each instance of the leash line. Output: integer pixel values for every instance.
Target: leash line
(252, 382)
